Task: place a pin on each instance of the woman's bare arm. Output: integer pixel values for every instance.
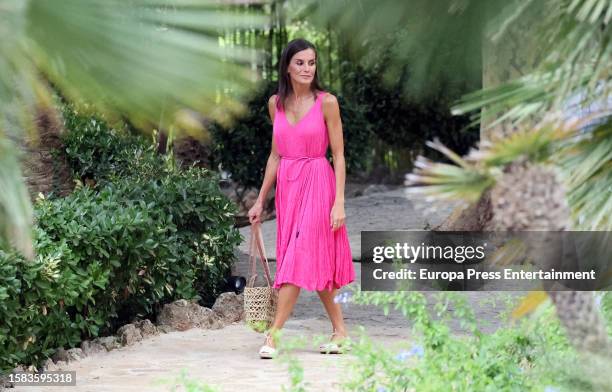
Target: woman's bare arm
(331, 111)
(273, 159)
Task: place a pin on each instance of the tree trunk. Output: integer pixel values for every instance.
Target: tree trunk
(189, 151)
(44, 164)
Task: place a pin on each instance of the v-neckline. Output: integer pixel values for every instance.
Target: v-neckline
(305, 115)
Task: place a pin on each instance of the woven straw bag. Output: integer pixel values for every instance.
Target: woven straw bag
(259, 302)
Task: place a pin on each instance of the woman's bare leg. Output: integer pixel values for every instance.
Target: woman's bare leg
(334, 311)
(287, 297)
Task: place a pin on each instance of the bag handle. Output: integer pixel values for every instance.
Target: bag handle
(256, 246)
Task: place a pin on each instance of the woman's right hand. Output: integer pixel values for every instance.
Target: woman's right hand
(255, 213)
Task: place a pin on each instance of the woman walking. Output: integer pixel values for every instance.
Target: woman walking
(312, 247)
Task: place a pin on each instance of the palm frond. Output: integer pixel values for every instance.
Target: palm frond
(152, 61)
(584, 156)
(477, 171)
(529, 303)
(574, 70)
(535, 145)
(141, 58)
(586, 163)
(436, 40)
(572, 37)
(15, 209)
(466, 181)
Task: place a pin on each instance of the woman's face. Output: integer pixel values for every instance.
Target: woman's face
(302, 66)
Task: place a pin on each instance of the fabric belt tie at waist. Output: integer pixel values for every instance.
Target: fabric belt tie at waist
(303, 160)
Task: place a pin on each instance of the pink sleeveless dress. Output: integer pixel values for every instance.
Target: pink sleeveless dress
(308, 253)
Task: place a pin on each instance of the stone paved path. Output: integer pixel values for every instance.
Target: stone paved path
(228, 359)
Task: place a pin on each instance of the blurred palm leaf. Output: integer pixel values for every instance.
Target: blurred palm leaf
(535, 145)
(150, 60)
(16, 212)
(586, 163)
(444, 39)
(435, 39)
(584, 156)
(574, 71)
(464, 181)
(141, 57)
(529, 303)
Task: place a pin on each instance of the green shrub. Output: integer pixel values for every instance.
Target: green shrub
(516, 357)
(35, 300)
(144, 235)
(358, 135)
(404, 121)
(96, 150)
(243, 148)
(107, 256)
(203, 218)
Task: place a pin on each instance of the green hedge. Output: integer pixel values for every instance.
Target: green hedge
(34, 301)
(402, 120)
(105, 257)
(144, 235)
(243, 148)
(101, 152)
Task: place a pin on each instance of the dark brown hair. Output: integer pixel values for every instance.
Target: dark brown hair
(284, 80)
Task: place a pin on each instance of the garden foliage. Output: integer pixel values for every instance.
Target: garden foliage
(145, 234)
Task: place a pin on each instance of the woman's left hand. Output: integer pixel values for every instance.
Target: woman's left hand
(337, 217)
